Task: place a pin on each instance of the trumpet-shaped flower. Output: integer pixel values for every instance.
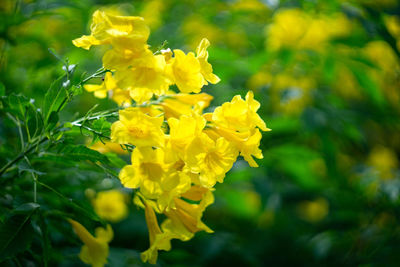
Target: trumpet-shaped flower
(205, 67)
(156, 179)
(183, 131)
(95, 249)
(184, 70)
(185, 219)
(146, 172)
(122, 31)
(239, 114)
(211, 159)
(137, 128)
(183, 104)
(182, 223)
(110, 205)
(144, 81)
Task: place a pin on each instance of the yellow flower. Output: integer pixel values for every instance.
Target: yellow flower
(205, 67)
(156, 179)
(211, 159)
(239, 114)
(100, 91)
(95, 249)
(144, 81)
(107, 147)
(183, 131)
(182, 223)
(185, 218)
(246, 142)
(184, 70)
(120, 58)
(146, 172)
(137, 128)
(120, 31)
(183, 104)
(158, 240)
(110, 205)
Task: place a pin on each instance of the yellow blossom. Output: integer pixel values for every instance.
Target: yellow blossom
(211, 159)
(143, 82)
(110, 205)
(137, 128)
(185, 219)
(183, 104)
(120, 58)
(184, 70)
(107, 147)
(182, 223)
(239, 114)
(205, 67)
(158, 239)
(120, 31)
(183, 131)
(156, 179)
(95, 249)
(100, 91)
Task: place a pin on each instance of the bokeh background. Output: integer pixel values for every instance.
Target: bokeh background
(327, 75)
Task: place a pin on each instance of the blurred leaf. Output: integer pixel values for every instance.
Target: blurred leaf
(17, 233)
(295, 160)
(369, 86)
(79, 209)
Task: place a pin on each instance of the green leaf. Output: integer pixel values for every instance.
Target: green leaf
(54, 99)
(34, 121)
(16, 233)
(79, 152)
(17, 105)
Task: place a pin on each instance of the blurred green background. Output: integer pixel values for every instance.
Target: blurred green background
(327, 75)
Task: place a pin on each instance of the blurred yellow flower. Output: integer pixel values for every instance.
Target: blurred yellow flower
(313, 211)
(384, 160)
(297, 29)
(95, 249)
(110, 205)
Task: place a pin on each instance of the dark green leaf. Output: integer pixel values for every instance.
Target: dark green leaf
(16, 233)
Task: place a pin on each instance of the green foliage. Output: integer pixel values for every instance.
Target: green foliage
(16, 233)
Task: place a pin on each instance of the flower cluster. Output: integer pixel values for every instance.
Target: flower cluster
(179, 153)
